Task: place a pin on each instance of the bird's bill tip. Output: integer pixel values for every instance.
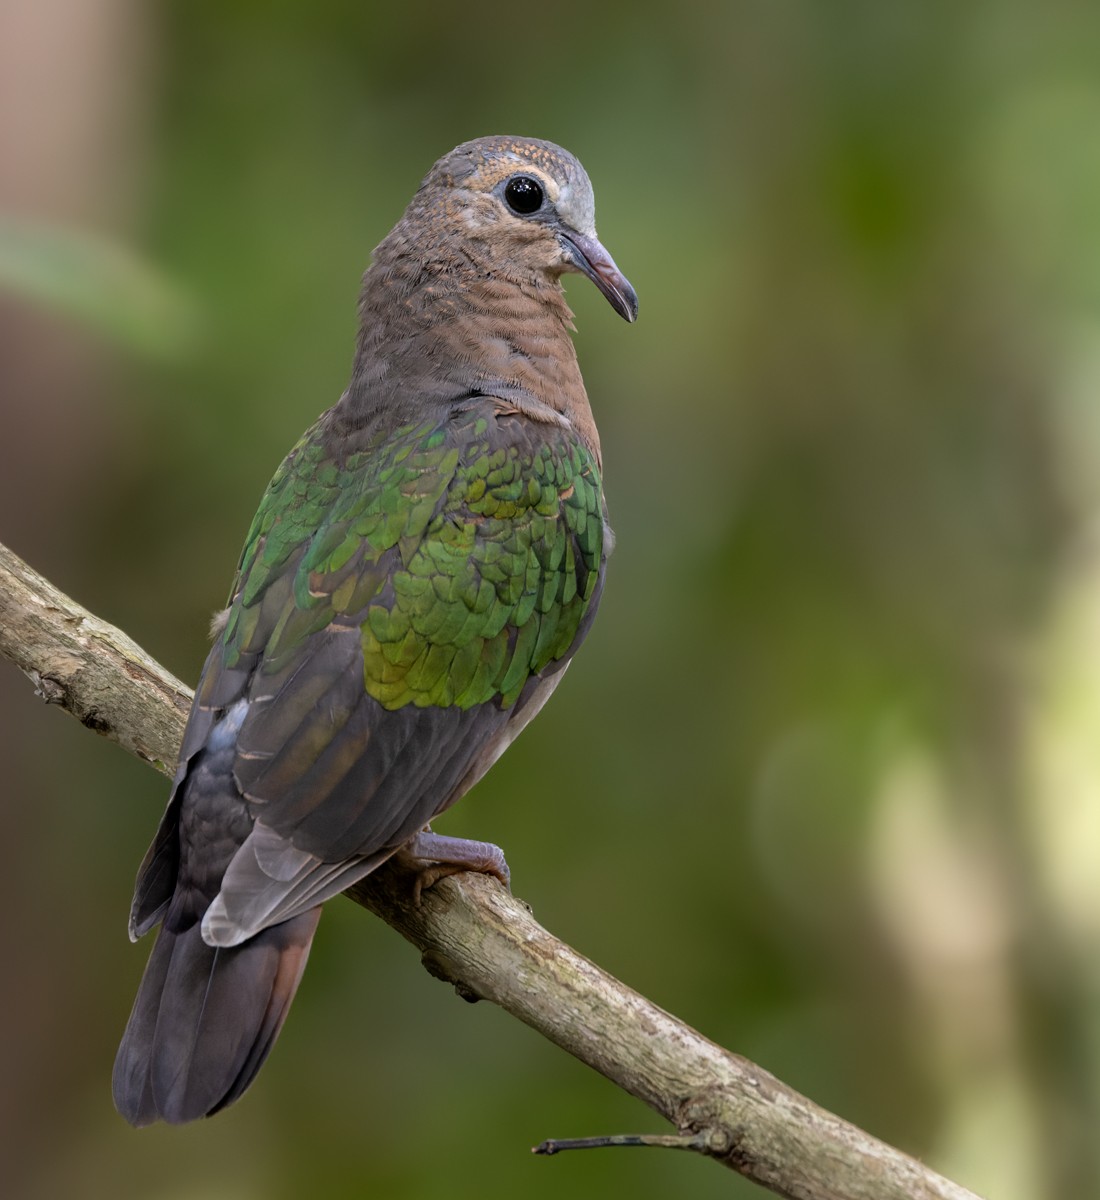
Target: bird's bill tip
(587, 255)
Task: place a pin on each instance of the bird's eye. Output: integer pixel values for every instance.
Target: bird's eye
(524, 195)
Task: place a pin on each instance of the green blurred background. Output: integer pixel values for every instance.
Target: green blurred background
(842, 705)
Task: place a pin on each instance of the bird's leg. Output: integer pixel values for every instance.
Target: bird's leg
(433, 857)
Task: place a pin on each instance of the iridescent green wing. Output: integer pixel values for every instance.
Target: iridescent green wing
(468, 566)
(498, 585)
(436, 573)
(325, 537)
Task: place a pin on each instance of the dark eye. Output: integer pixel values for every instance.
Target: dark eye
(524, 195)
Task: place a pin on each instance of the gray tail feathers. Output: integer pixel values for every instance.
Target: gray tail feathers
(204, 1020)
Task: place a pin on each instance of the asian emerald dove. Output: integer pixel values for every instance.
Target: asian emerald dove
(421, 570)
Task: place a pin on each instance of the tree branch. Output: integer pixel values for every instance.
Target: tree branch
(474, 934)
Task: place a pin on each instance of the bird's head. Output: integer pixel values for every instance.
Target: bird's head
(529, 206)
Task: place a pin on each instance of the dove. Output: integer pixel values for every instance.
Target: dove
(419, 574)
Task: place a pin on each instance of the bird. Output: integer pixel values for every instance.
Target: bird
(419, 574)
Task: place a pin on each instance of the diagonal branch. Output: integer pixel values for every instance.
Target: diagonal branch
(474, 934)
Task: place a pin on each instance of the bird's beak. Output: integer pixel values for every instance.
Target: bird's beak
(586, 255)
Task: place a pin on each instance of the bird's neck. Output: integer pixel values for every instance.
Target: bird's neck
(434, 329)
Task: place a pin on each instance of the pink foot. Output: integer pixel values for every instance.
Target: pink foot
(433, 857)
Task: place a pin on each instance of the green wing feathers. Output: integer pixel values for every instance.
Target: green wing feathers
(467, 552)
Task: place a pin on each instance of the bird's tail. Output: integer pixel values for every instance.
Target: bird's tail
(204, 1020)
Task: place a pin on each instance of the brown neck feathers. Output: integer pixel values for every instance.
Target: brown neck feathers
(439, 322)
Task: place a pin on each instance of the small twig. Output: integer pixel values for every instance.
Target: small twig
(665, 1141)
(476, 935)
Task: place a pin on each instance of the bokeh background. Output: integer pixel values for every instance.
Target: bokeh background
(840, 716)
